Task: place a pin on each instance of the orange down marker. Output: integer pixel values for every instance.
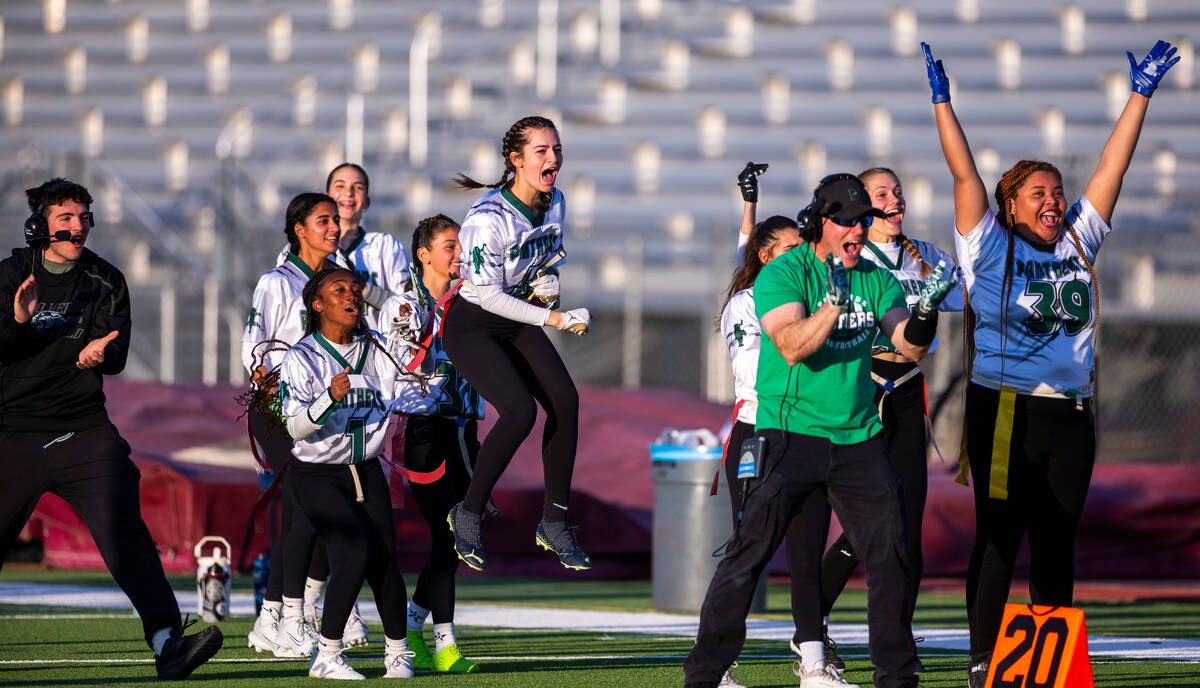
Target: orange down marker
(1041, 647)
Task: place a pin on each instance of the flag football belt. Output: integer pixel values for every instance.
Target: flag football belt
(725, 450)
(889, 385)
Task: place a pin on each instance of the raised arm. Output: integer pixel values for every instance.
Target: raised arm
(797, 335)
(1105, 185)
(748, 185)
(970, 195)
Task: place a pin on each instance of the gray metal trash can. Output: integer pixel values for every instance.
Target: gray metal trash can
(689, 525)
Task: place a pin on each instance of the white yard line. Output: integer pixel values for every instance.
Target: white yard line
(653, 623)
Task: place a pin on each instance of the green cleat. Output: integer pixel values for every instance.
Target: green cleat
(449, 660)
(421, 657)
(564, 545)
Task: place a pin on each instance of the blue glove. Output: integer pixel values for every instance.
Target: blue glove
(939, 83)
(1146, 74)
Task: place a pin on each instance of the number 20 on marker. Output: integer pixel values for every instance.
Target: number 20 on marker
(1041, 647)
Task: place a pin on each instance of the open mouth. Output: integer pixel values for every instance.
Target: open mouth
(851, 249)
(894, 216)
(549, 175)
(1050, 220)
(353, 310)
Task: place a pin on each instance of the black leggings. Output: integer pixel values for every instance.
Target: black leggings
(1048, 469)
(432, 443)
(904, 432)
(805, 541)
(295, 552)
(359, 536)
(91, 470)
(512, 365)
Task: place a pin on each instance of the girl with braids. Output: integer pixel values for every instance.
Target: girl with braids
(337, 387)
(900, 393)
(759, 244)
(511, 242)
(1030, 429)
(439, 443)
(277, 320)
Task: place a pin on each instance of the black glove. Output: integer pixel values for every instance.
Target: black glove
(748, 181)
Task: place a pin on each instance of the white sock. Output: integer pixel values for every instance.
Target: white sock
(416, 616)
(159, 639)
(395, 647)
(312, 593)
(443, 636)
(812, 654)
(272, 605)
(329, 647)
(292, 606)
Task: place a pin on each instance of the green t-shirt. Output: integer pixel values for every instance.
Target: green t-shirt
(830, 393)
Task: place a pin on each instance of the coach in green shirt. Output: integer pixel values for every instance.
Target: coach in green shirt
(820, 308)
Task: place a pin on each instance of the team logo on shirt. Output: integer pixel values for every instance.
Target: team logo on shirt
(738, 333)
(477, 257)
(854, 326)
(46, 320)
(536, 246)
(362, 397)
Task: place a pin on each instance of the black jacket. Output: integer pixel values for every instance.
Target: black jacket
(41, 390)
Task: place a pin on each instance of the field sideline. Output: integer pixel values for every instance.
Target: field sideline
(63, 628)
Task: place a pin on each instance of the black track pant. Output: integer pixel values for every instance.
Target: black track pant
(296, 552)
(92, 471)
(512, 365)
(863, 490)
(360, 538)
(1038, 486)
(904, 432)
(437, 444)
(805, 541)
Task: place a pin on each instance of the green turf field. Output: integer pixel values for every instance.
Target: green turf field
(49, 651)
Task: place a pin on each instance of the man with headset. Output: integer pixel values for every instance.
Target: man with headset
(64, 324)
(820, 307)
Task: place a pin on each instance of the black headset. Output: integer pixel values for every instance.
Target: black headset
(809, 218)
(37, 229)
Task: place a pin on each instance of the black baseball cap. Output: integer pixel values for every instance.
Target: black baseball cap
(843, 197)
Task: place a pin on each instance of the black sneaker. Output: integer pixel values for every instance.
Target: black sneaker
(563, 544)
(182, 654)
(977, 675)
(467, 541)
(831, 656)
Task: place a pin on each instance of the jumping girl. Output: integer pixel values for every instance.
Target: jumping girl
(440, 442)
(338, 385)
(1030, 422)
(277, 319)
(511, 240)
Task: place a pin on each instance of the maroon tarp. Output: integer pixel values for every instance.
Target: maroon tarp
(1140, 520)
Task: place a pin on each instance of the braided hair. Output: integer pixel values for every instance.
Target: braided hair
(1005, 193)
(514, 142)
(298, 211)
(904, 241)
(423, 236)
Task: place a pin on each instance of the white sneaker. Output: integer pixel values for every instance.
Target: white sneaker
(399, 665)
(295, 638)
(821, 676)
(356, 630)
(262, 637)
(332, 665)
(727, 680)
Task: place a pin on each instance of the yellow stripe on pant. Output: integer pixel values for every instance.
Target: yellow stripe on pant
(1002, 444)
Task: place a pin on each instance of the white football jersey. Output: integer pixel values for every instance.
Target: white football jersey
(276, 312)
(742, 332)
(445, 392)
(377, 258)
(354, 429)
(504, 244)
(1043, 346)
(907, 270)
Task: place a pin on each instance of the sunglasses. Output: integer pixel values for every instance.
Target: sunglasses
(864, 219)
